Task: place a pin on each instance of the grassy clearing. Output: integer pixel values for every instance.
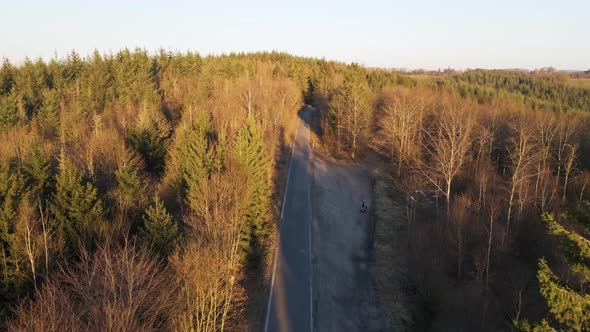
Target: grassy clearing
(390, 249)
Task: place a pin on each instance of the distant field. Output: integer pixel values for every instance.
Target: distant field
(580, 83)
(420, 77)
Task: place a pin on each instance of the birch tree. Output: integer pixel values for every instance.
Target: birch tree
(447, 142)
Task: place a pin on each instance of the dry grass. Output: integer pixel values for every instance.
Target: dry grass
(580, 83)
(390, 249)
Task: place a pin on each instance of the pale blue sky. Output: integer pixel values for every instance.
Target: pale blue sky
(402, 34)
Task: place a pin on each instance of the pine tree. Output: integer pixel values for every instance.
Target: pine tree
(250, 152)
(159, 230)
(75, 206)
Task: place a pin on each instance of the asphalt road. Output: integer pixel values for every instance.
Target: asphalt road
(290, 305)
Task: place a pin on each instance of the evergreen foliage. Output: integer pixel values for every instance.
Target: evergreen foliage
(575, 247)
(130, 191)
(582, 217)
(11, 189)
(568, 306)
(38, 171)
(159, 230)
(250, 153)
(195, 153)
(75, 206)
(149, 140)
(49, 113)
(9, 112)
(7, 73)
(540, 92)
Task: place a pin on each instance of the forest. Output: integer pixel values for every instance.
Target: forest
(492, 171)
(140, 191)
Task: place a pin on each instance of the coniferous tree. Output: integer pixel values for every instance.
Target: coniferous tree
(568, 307)
(75, 205)
(7, 73)
(48, 115)
(251, 155)
(37, 170)
(9, 110)
(196, 155)
(159, 230)
(130, 191)
(568, 302)
(30, 83)
(149, 137)
(11, 187)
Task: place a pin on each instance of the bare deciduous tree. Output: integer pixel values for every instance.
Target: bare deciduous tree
(401, 123)
(115, 289)
(523, 155)
(209, 266)
(545, 187)
(447, 142)
(457, 219)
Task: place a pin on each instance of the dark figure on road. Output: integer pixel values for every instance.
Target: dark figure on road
(363, 207)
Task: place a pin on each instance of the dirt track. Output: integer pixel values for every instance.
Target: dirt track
(344, 293)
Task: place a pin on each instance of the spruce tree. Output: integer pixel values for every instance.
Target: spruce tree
(11, 188)
(130, 191)
(150, 145)
(38, 170)
(7, 73)
(159, 230)
(75, 205)
(9, 110)
(48, 115)
(196, 158)
(568, 302)
(250, 152)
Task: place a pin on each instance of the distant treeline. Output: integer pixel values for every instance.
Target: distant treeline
(537, 92)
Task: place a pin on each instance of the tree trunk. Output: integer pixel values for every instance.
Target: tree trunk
(489, 248)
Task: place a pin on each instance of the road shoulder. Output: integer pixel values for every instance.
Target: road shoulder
(345, 296)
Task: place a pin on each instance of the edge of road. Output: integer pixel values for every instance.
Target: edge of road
(274, 267)
(310, 190)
